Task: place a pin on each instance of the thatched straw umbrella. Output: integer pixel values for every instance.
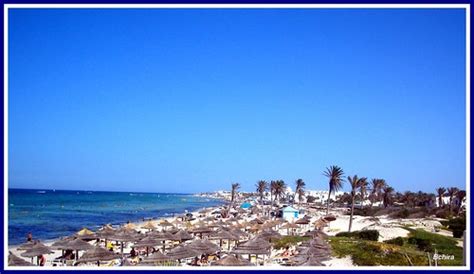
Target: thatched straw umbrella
(27, 245)
(329, 218)
(320, 224)
(14, 260)
(201, 230)
(204, 247)
(77, 245)
(85, 234)
(231, 260)
(269, 235)
(238, 233)
(255, 246)
(97, 254)
(182, 252)
(148, 241)
(165, 223)
(303, 221)
(61, 243)
(129, 226)
(291, 226)
(106, 232)
(123, 236)
(163, 236)
(224, 235)
(182, 235)
(36, 250)
(150, 226)
(156, 257)
(255, 228)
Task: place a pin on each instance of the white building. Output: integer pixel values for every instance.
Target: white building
(322, 195)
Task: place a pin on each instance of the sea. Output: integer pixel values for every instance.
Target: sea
(51, 214)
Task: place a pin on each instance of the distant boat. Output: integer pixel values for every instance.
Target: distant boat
(41, 192)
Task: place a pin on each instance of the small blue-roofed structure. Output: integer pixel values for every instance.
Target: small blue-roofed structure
(289, 213)
(246, 205)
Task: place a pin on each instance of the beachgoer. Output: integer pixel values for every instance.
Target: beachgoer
(133, 253)
(42, 260)
(195, 262)
(29, 237)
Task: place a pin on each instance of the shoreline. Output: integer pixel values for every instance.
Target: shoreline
(136, 221)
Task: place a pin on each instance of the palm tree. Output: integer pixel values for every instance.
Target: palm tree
(441, 191)
(408, 198)
(460, 197)
(377, 186)
(334, 173)
(262, 186)
(355, 184)
(452, 191)
(299, 190)
(280, 189)
(387, 195)
(235, 187)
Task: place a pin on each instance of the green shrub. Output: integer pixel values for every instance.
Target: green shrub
(288, 241)
(346, 234)
(421, 243)
(395, 241)
(371, 235)
(458, 233)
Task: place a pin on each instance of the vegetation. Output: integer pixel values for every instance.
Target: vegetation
(377, 186)
(334, 173)
(287, 241)
(372, 235)
(356, 183)
(456, 225)
(262, 186)
(396, 241)
(413, 250)
(372, 253)
(299, 190)
(435, 242)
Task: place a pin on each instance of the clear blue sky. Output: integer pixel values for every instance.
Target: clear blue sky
(193, 100)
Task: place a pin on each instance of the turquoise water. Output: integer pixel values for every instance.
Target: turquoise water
(52, 214)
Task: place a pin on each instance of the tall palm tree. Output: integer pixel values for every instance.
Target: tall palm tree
(356, 183)
(299, 190)
(377, 186)
(441, 191)
(262, 186)
(235, 188)
(452, 192)
(387, 195)
(280, 188)
(460, 197)
(334, 173)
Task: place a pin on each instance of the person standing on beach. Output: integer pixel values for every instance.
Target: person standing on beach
(42, 260)
(29, 237)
